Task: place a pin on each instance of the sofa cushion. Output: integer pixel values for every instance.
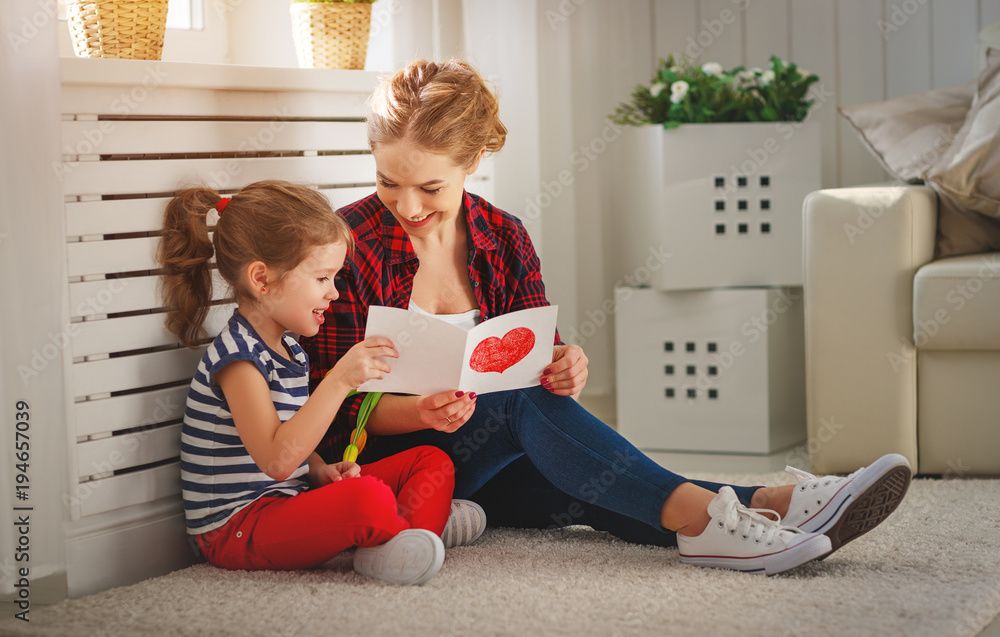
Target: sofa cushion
(961, 230)
(909, 134)
(945, 137)
(956, 302)
(966, 176)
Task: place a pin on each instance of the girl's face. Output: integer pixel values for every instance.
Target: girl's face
(303, 294)
(423, 190)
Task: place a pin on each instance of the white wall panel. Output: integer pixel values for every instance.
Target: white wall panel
(556, 147)
(675, 24)
(138, 332)
(767, 24)
(989, 12)
(99, 217)
(108, 296)
(953, 24)
(861, 79)
(116, 453)
(135, 137)
(907, 37)
(134, 372)
(814, 48)
(128, 489)
(168, 175)
(94, 417)
(720, 32)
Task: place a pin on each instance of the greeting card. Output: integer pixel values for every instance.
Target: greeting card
(506, 352)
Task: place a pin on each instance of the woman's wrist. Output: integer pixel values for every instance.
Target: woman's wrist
(395, 415)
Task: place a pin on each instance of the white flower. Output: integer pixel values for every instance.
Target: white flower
(712, 68)
(756, 70)
(766, 77)
(745, 76)
(678, 90)
(657, 88)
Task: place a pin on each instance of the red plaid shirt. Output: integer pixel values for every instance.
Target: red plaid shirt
(503, 268)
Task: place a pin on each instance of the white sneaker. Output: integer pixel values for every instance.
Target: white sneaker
(742, 539)
(409, 559)
(466, 523)
(844, 508)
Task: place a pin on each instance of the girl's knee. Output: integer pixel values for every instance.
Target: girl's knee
(366, 497)
(428, 456)
(435, 461)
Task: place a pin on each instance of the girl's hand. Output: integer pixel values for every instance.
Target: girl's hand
(567, 374)
(446, 411)
(322, 476)
(362, 362)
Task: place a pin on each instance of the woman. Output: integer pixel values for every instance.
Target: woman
(534, 457)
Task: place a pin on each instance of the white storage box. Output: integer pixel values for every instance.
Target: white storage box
(724, 200)
(711, 371)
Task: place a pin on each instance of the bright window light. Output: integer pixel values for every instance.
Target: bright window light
(186, 14)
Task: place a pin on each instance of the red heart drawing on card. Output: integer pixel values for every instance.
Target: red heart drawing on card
(496, 355)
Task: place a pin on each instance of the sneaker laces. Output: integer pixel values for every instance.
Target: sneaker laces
(736, 518)
(804, 477)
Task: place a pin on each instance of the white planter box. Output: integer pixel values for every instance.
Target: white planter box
(724, 200)
(711, 371)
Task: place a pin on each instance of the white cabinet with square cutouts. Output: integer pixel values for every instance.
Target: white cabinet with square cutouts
(711, 370)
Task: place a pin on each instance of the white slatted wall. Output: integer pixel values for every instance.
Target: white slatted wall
(134, 133)
(129, 375)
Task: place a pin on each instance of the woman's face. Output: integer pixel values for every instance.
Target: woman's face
(423, 190)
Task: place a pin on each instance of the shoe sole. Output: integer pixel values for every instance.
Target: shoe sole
(400, 556)
(804, 552)
(866, 501)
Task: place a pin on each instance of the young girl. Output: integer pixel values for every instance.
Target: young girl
(256, 496)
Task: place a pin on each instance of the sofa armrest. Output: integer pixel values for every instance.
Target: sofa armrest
(861, 249)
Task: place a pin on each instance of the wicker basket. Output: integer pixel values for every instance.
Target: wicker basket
(130, 29)
(331, 35)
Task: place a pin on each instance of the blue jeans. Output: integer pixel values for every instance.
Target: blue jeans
(533, 459)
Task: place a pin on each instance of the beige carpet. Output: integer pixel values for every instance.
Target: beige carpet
(932, 569)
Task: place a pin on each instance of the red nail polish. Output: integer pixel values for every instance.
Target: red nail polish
(547, 371)
(472, 396)
(546, 381)
(459, 394)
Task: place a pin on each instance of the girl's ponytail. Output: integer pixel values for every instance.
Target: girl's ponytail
(184, 254)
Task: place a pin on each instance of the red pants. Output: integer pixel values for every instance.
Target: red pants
(411, 489)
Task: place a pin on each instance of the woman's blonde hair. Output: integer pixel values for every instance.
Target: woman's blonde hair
(275, 222)
(446, 108)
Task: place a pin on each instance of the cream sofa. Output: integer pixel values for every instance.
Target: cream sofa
(902, 351)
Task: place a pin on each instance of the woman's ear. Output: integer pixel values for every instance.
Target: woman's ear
(474, 165)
